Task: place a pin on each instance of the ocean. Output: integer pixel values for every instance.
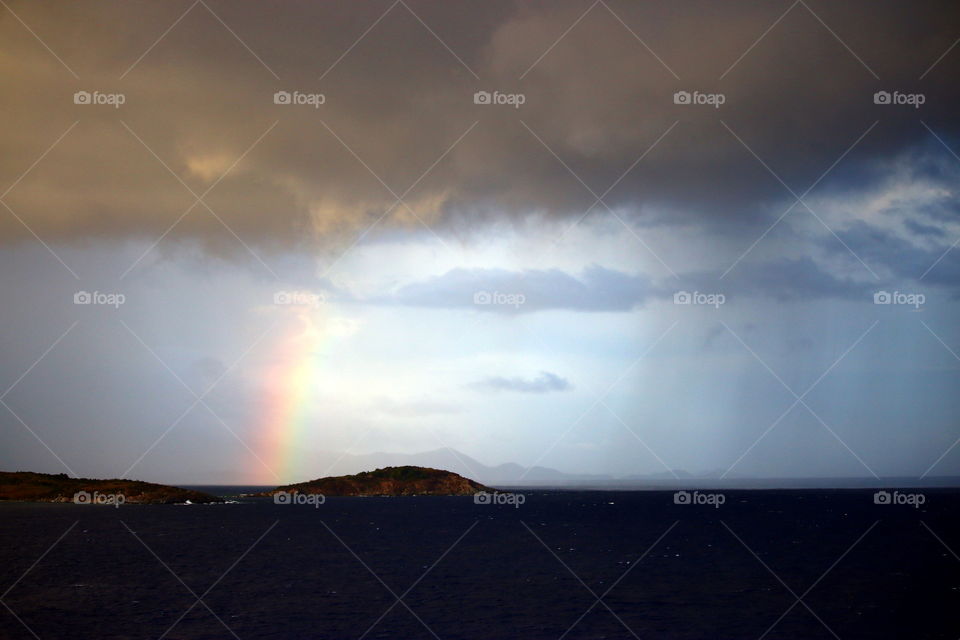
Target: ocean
(550, 564)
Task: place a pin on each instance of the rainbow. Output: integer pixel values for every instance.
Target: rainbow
(291, 384)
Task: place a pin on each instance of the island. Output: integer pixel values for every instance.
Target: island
(389, 481)
(26, 486)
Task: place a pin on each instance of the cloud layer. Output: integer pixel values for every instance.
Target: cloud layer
(399, 120)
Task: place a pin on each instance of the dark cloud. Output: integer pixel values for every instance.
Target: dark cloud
(792, 279)
(543, 383)
(921, 229)
(903, 261)
(399, 100)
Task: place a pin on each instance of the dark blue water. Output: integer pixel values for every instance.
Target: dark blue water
(863, 570)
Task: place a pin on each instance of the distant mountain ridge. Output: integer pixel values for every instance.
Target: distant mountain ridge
(510, 474)
(507, 474)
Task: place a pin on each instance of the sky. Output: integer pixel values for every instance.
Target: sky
(238, 238)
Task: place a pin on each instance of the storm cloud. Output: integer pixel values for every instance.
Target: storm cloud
(200, 148)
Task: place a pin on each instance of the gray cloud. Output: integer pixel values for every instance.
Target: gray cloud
(502, 291)
(598, 289)
(543, 383)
